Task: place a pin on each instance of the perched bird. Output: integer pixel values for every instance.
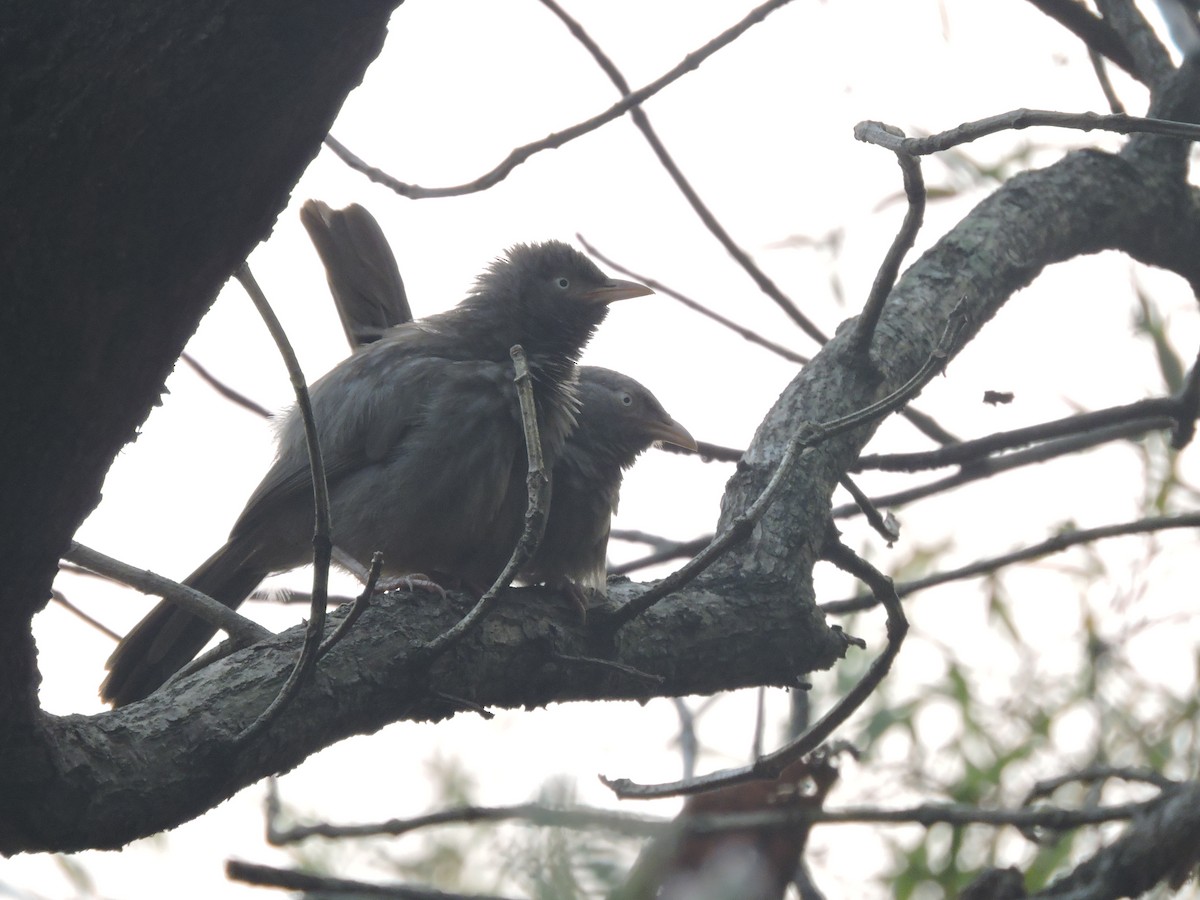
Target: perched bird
(618, 420)
(423, 444)
(618, 417)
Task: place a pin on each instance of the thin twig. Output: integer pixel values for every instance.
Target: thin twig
(1055, 544)
(1093, 774)
(225, 390)
(889, 270)
(1115, 105)
(538, 485)
(361, 602)
(659, 288)
(580, 818)
(633, 536)
(928, 426)
(243, 631)
(1015, 120)
(61, 599)
(1189, 408)
(885, 526)
(928, 814)
(689, 744)
(988, 467)
(642, 121)
(322, 541)
(760, 722)
(807, 437)
(772, 764)
(559, 138)
(1153, 409)
(291, 879)
(681, 550)
(633, 825)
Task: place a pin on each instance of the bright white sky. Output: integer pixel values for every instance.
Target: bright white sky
(764, 131)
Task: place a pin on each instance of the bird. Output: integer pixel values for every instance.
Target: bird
(423, 444)
(618, 420)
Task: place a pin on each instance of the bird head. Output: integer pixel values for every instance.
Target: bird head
(621, 415)
(552, 296)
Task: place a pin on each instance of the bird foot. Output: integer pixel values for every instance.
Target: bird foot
(580, 597)
(414, 582)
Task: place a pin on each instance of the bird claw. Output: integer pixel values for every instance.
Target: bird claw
(580, 598)
(411, 583)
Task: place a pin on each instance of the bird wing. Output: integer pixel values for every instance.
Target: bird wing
(362, 411)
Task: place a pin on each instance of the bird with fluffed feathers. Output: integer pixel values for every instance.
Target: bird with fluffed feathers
(423, 444)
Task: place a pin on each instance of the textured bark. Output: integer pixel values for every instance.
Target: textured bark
(101, 781)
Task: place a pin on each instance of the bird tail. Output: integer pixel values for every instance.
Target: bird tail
(168, 637)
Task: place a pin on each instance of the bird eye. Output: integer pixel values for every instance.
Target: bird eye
(563, 283)
(626, 400)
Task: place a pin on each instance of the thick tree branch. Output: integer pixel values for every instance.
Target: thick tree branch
(128, 199)
(66, 785)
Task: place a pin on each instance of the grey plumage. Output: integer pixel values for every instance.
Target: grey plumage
(424, 450)
(362, 272)
(618, 420)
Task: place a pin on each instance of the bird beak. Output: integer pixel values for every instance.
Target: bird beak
(671, 432)
(616, 289)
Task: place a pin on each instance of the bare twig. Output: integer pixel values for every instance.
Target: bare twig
(225, 390)
(361, 602)
(885, 279)
(659, 288)
(928, 426)
(633, 825)
(291, 879)
(1115, 105)
(1093, 774)
(1154, 410)
(689, 744)
(536, 814)
(681, 550)
(772, 764)
(559, 138)
(988, 467)
(807, 437)
(243, 631)
(1055, 544)
(61, 599)
(322, 541)
(640, 119)
(1015, 120)
(538, 484)
(885, 526)
(1189, 408)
